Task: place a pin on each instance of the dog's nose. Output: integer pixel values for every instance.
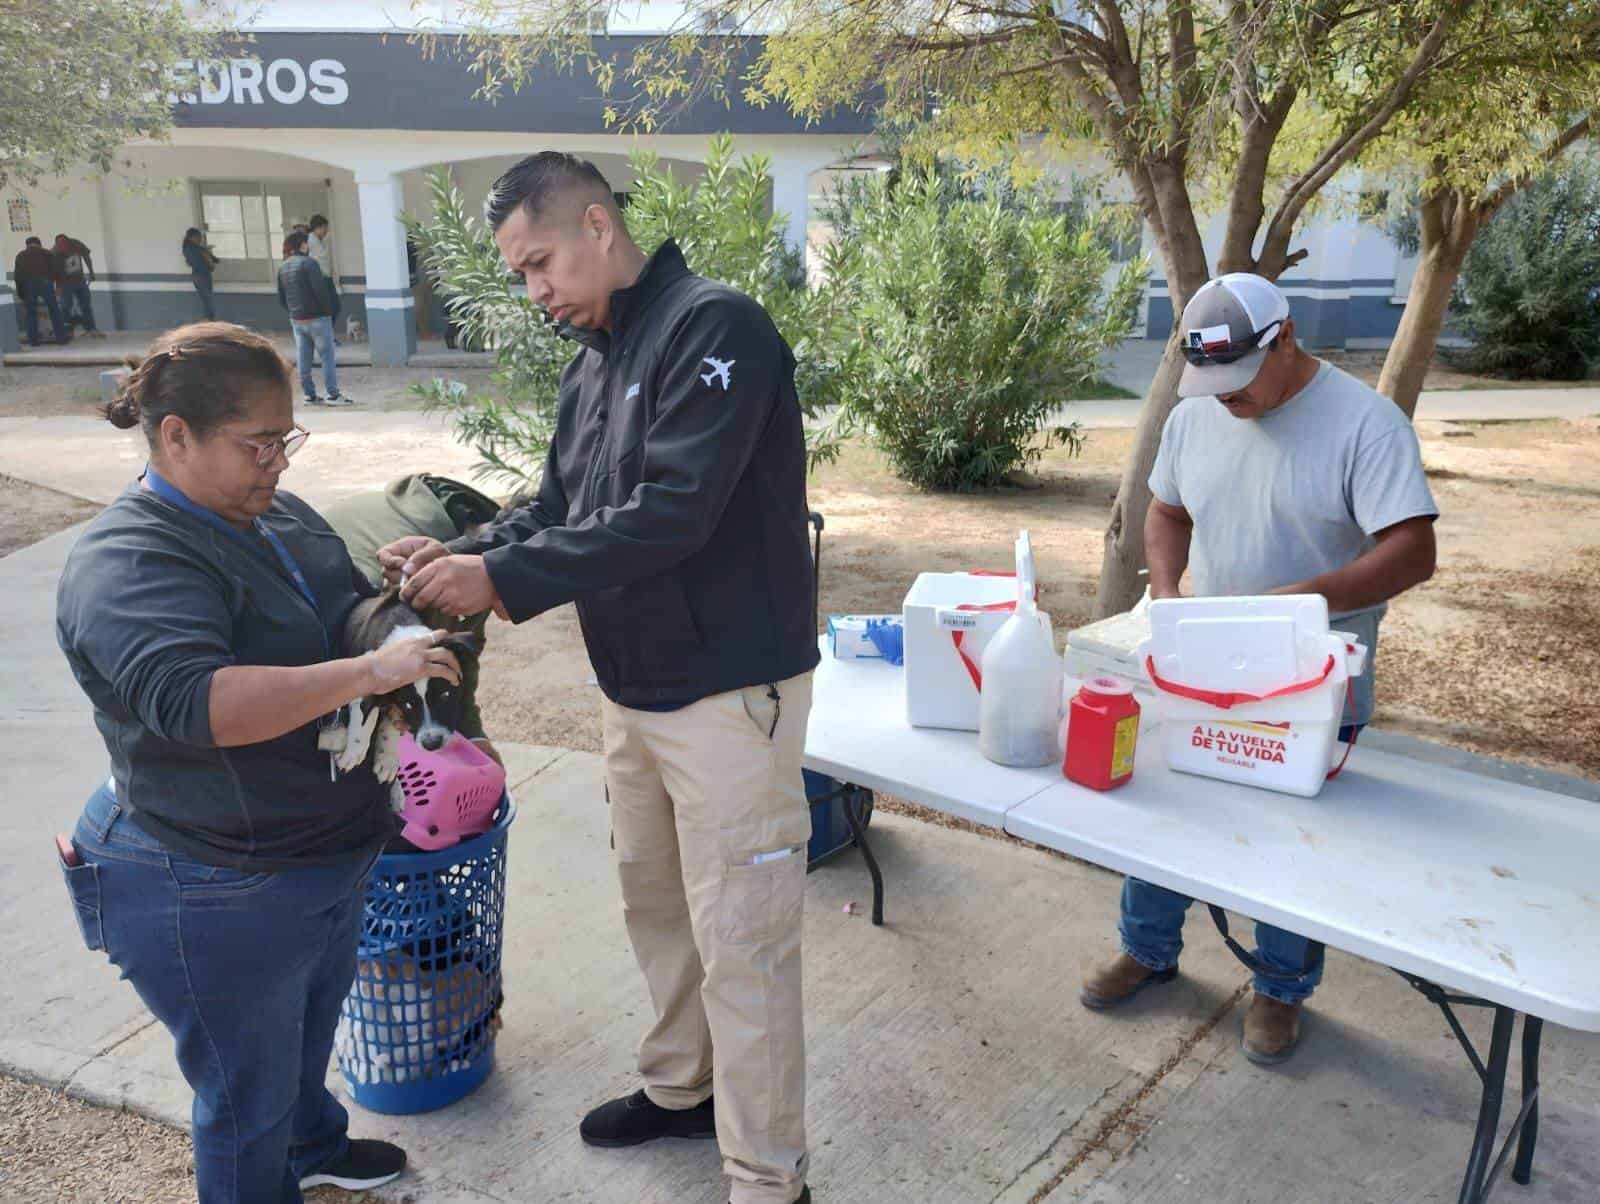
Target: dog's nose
(432, 741)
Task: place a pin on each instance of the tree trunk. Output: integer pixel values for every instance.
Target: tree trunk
(1406, 365)
(1120, 582)
(1183, 258)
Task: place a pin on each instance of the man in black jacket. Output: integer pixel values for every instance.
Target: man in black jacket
(34, 272)
(673, 511)
(308, 296)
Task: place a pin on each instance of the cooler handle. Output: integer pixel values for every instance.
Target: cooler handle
(973, 671)
(1228, 700)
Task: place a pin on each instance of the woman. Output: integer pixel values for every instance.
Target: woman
(202, 263)
(221, 868)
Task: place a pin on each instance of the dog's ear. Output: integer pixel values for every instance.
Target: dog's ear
(467, 645)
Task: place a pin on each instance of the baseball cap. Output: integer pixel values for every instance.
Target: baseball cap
(1225, 330)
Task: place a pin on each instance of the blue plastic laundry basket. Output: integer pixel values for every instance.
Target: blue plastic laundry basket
(417, 1030)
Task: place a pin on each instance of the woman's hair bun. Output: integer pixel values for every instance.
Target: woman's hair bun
(201, 373)
(123, 410)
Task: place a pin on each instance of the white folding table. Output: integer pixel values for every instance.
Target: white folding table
(1478, 892)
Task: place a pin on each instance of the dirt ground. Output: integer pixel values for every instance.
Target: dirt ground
(55, 1150)
(1366, 364)
(29, 513)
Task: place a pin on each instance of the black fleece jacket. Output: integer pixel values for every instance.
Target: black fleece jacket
(673, 504)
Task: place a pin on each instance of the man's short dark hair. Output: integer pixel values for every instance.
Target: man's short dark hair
(33, 241)
(540, 179)
(316, 220)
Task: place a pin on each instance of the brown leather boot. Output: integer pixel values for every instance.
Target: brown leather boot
(1271, 1031)
(1119, 980)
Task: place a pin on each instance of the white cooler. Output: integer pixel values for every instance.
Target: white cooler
(949, 618)
(1250, 690)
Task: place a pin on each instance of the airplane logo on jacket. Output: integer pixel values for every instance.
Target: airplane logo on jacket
(720, 370)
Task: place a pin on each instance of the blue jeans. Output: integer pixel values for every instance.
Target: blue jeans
(76, 305)
(204, 286)
(1152, 934)
(247, 971)
(32, 292)
(314, 337)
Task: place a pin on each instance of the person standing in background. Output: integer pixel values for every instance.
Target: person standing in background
(35, 272)
(77, 270)
(202, 263)
(308, 296)
(319, 246)
(1277, 474)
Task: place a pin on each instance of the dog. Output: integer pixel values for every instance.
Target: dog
(404, 1022)
(429, 710)
(354, 331)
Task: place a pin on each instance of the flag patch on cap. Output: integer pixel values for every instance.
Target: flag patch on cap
(1210, 338)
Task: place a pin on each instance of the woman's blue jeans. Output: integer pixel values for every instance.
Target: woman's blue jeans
(247, 971)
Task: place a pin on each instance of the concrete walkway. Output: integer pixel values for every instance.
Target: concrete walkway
(111, 351)
(349, 451)
(949, 1059)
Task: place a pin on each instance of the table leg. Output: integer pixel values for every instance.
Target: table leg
(1494, 1086)
(853, 815)
(1532, 1031)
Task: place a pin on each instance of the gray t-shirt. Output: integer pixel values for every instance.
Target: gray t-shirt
(1297, 493)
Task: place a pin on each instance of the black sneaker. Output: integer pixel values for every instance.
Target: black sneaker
(365, 1164)
(636, 1119)
(803, 1198)
(339, 399)
(315, 400)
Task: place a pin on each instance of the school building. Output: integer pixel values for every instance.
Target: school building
(330, 109)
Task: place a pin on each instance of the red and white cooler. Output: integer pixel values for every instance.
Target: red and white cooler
(1251, 690)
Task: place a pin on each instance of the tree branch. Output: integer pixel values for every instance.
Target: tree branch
(956, 44)
(1488, 205)
(1347, 146)
(1185, 81)
(1116, 29)
(1431, 212)
(1041, 65)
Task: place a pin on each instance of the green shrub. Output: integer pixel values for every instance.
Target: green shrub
(1529, 293)
(969, 318)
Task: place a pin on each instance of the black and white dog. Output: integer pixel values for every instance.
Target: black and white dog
(429, 710)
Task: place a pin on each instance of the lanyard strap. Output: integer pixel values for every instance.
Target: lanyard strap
(166, 489)
(289, 565)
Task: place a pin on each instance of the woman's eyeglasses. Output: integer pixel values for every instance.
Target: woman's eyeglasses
(267, 449)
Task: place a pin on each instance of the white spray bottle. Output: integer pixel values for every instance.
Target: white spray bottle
(1019, 707)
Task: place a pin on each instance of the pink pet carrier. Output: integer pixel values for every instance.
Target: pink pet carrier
(450, 794)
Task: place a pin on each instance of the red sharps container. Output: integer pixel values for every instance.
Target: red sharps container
(1102, 730)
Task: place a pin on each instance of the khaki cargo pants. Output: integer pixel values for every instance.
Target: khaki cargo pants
(710, 821)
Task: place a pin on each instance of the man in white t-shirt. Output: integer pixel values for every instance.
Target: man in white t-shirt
(319, 245)
(1278, 473)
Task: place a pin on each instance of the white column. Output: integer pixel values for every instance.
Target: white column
(391, 320)
(790, 196)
